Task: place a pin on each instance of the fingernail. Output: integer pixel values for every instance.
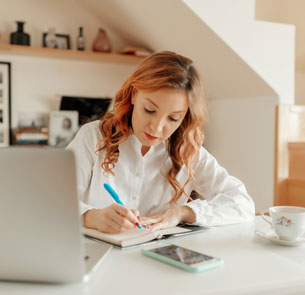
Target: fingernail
(137, 223)
(138, 218)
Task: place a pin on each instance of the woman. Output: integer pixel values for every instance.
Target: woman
(149, 149)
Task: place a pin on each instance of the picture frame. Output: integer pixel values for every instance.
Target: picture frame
(5, 104)
(63, 41)
(63, 125)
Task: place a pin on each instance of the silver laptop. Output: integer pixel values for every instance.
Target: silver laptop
(39, 219)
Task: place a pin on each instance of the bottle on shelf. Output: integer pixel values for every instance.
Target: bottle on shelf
(20, 37)
(80, 41)
(50, 40)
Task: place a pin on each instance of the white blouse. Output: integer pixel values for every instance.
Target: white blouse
(142, 184)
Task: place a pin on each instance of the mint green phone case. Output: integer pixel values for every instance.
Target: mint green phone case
(198, 268)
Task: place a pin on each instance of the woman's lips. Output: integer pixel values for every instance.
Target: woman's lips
(150, 137)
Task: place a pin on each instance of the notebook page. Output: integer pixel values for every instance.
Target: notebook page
(173, 230)
(132, 237)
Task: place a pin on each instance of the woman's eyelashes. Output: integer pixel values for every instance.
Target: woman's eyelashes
(150, 111)
(173, 119)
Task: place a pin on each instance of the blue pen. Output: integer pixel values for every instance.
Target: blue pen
(116, 197)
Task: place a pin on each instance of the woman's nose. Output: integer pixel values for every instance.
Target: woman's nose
(156, 125)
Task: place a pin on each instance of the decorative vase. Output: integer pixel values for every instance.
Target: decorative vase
(19, 37)
(50, 40)
(101, 42)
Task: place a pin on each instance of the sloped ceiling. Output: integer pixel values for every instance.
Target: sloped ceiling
(171, 25)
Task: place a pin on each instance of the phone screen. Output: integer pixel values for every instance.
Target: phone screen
(183, 255)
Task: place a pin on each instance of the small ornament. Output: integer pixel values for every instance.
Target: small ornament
(80, 41)
(19, 37)
(101, 42)
(51, 41)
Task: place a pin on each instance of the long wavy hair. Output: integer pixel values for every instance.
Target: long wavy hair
(163, 69)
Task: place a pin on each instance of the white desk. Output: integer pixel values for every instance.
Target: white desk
(251, 266)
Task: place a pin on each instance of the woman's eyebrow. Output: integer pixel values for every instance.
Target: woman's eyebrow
(147, 98)
(176, 112)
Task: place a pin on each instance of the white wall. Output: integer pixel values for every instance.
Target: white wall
(289, 12)
(245, 124)
(300, 87)
(38, 83)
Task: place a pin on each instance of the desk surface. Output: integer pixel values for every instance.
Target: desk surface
(251, 266)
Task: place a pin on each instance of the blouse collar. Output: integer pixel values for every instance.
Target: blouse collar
(133, 140)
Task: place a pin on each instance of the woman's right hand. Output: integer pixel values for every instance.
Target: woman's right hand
(113, 219)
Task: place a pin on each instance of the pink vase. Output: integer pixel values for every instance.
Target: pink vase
(101, 42)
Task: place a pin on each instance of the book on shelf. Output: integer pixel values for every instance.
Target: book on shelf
(138, 236)
(31, 136)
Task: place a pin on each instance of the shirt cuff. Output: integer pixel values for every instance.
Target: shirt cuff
(201, 208)
(209, 214)
(83, 208)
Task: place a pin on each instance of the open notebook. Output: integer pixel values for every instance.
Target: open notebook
(140, 236)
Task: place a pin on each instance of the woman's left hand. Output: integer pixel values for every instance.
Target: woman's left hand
(169, 218)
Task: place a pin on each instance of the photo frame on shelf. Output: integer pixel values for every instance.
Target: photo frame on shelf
(62, 41)
(63, 126)
(5, 104)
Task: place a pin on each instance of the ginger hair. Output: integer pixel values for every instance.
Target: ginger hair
(163, 69)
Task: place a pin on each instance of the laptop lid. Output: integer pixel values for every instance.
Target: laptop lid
(39, 216)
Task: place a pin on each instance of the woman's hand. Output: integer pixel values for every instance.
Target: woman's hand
(169, 218)
(113, 219)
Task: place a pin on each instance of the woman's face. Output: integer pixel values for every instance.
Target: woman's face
(156, 115)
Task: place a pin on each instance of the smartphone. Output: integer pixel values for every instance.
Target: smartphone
(186, 259)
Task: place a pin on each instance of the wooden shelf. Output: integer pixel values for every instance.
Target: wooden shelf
(296, 144)
(69, 54)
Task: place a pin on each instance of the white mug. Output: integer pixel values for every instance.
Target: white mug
(288, 222)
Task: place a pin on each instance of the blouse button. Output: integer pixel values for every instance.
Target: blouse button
(134, 197)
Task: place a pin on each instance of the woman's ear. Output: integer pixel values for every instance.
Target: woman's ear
(133, 96)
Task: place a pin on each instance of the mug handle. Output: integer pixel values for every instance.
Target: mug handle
(262, 215)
